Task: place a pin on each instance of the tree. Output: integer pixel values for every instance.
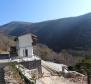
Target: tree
(44, 52)
(85, 68)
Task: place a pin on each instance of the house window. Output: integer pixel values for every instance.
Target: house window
(26, 52)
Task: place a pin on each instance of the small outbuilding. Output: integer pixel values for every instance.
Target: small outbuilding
(25, 45)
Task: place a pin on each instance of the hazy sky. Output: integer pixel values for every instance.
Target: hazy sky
(40, 10)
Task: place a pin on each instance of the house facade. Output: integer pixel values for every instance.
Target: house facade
(25, 45)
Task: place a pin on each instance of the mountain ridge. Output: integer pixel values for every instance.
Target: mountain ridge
(65, 33)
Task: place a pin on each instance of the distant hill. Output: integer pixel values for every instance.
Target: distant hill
(65, 33)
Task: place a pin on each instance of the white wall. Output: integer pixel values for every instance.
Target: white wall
(21, 52)
(30, 51)
(25, 42)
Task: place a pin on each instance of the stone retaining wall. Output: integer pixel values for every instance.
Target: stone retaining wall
(36, 64)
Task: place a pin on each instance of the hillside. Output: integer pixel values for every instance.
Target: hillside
(65, 33)
(5, 42)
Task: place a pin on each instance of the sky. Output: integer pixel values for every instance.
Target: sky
(41, 10)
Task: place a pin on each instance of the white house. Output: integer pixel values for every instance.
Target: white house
(25, 45)
(24, 49)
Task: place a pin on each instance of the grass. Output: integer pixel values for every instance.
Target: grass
(87, 61)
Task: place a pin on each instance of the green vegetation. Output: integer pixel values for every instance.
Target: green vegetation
(83, 67)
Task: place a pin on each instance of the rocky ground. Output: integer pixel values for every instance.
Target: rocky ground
(49, 79)
(12, 76)
(2, 81)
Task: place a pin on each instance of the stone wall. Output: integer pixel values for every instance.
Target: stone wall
(35, 64)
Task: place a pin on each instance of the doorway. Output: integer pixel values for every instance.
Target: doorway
(26, 52)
